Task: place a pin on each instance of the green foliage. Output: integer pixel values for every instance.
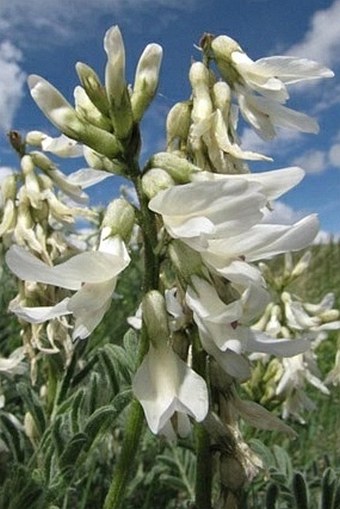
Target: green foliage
(64, 456)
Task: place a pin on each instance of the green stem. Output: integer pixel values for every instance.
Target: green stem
(132, 434)
(203, 482)
(148, 225)
(135, 420)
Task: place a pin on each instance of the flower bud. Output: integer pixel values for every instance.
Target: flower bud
(100, 162)
(302, 264)
(155, 317)
(30, 427)
(31, 181)
(93, 87)
(186, 261)
(35, 138)
(178, 122)
(9, 188)
(115, 83)
(156, 180)
(63, 116)
(119, 218)
(222, 48)
(222, 99)
(88, 111)
(329, 315)
(146, 79)
(199, 77)
(178, 168)
(8, 219)
(59, 179)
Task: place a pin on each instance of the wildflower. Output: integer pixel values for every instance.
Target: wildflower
(261, 86)
(165, 385)
(92, 274)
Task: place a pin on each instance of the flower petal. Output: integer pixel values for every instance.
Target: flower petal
(40, 314)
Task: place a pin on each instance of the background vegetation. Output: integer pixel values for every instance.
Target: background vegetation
(59, 438)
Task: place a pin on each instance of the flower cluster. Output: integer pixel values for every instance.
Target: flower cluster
(288, 316)
(200, 215)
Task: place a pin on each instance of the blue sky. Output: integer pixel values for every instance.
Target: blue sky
(50, 36)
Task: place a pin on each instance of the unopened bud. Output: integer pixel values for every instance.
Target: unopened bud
(146, 79)
(93, 87)
(222, 98)
(63, 116)
(155, 317)
(200, 81)
(186, 261)
(156, 180)
(178, 168)
(30, 427)
(115, 83)
(35, 138)
(178, 122)
(88, 111)
(329, 316)
(222, 48)
(27, 165)
(100, 162)
(8, 188)
(120, 218)
(302, 264)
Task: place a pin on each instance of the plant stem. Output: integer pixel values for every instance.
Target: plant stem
(203, 483)
(122, 471)
(134, 426)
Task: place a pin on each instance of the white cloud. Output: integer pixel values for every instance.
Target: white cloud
(65, 19)
(312, 161)
(334, 155)
(322, 40)
(12, 80)
(282, 214)
(286, 140)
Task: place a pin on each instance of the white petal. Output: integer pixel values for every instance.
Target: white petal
(164, 384)
(256, 341)
(293, 69)
(62, 146)
(232, 363)
(87, 320)
(274, 183)
(40, 314)
(203, 299)
(51, 102)
(88, 267)
(87, 177)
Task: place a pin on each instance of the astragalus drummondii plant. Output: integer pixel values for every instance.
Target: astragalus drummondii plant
(198, 225)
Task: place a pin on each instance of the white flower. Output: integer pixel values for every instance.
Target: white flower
(311, 317)
(13, 364)
(164, 384)
(268, 78)
(92, 274)
(223, 328)
(298, 371)
(264, 114)
(231, 257)
(197, 211)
